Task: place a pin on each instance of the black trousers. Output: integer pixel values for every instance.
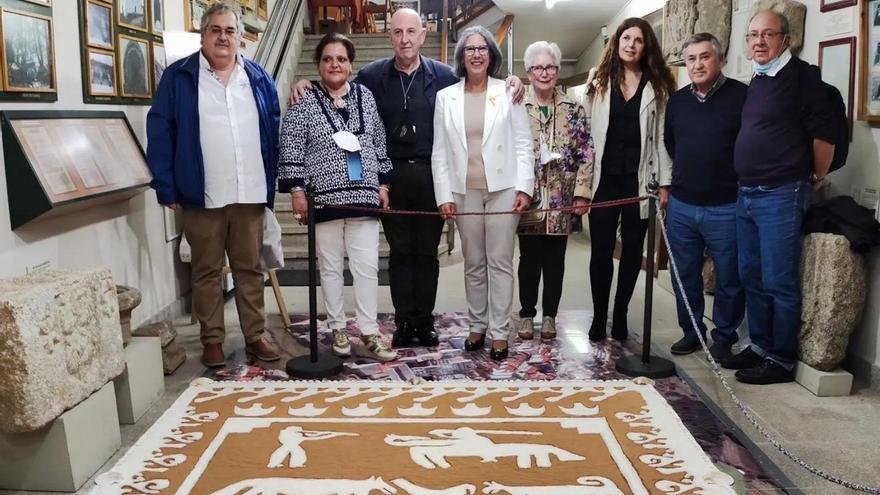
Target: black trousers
(413, 264)
(603, 234)
(541, 254)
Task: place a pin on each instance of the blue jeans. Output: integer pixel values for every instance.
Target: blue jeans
(768, 225)
(693, 229)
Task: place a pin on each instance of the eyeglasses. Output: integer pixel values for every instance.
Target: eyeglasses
(217, 31)
(473, 50)
(548, 69)
(764, 35)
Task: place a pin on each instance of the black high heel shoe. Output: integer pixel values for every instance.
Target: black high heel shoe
(475, 345)
(498, 354)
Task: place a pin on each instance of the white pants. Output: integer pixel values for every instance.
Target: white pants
(487, 244)
(359, 238)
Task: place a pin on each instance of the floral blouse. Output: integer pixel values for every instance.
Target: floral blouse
(565, 132)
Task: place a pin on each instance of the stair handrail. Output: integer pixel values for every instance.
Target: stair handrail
(470, 11)
(274, 47)
(444, 34)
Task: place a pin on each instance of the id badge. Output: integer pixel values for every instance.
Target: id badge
(355, 166)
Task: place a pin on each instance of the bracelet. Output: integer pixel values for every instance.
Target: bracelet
(384, 187)
(297, 189)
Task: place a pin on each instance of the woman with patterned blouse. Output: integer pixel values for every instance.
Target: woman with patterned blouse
(333, 141)
(563, 177)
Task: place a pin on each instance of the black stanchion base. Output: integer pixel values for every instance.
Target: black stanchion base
(657, 367)
(326, 366)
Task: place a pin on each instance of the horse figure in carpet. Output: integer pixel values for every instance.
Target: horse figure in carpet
(431, 453)
(587, 485)
(413, 489)
(305, 486)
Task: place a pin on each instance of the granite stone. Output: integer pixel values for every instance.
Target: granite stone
(684, 18)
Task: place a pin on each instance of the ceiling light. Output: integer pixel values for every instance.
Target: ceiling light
(551, 3)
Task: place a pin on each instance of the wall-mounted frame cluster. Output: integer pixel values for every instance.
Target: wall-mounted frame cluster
(27, 51)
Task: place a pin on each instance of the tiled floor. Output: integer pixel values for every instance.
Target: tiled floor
(838, 435)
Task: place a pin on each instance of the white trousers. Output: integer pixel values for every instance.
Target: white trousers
(487, 244)
(359, 238)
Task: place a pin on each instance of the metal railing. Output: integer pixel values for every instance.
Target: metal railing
(274, 48)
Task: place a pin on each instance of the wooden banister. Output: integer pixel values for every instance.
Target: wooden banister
(501, 34)
(444, 34)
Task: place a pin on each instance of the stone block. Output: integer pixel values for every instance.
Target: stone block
(794, 11)
(683, 18)
(834, 284)
(164, 330)
(59, 342)
(129, 298)
(173, 356)
(835, 383)
(67, 452)
(143, 381)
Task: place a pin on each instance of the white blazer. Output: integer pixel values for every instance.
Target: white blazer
(508, 156)
(654, 158)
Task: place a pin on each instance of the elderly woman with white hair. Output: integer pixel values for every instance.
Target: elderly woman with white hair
(563, 178)
(482, 161)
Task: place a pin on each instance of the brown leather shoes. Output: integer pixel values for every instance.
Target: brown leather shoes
(262, 350)
(212, 356)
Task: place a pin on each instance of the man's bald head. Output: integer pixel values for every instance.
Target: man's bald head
(407, 36)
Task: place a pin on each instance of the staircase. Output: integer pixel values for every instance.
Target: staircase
(294, 237)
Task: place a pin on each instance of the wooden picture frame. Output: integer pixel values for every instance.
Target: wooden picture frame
(132, 14)
(101, 74)
(869, 62)
(829, 5)
(133, 62)
(157, 22)
(97, 34)
(192, 14)
(837, 62)
(160, 62)
(31, 66)
(263, 9)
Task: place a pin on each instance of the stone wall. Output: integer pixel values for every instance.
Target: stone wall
(60, 340)
(684, 18)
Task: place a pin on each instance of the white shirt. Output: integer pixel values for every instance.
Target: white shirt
(229, 132)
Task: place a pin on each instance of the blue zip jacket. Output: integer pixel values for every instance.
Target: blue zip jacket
(174, 150)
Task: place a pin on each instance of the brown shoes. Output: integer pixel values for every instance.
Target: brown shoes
(212, 356)
(262, 350)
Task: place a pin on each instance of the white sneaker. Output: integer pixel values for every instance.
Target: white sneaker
(548, 328)
(341, 343)
(526, 329)
(374, 347)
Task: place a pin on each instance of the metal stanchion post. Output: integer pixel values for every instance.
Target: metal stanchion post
(315, 364)
(647, 365)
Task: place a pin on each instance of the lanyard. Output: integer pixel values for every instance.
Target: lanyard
(406, 90)
(550, 115)
(326, 111)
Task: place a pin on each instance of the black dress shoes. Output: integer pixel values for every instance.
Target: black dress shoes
(426, 335)
(597, 328)
(498, 354)
(747, 358)
(687, 344)
(765, 373)
(720, 351)
(404, 336)
(476, 345)
(619, 330)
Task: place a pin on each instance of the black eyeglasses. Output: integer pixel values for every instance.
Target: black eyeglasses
(473, 50)
(764, 35)
(540, 69)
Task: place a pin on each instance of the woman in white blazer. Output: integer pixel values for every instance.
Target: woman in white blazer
(626, 100)
(482, 161)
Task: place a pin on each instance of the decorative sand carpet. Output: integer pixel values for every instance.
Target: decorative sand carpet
(449, 438)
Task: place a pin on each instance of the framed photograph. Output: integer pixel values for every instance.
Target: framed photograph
(837, 61)
(102, 73)
(134, 68)
(192, 14)
(28, 52)
(869, 63)
(99, 24)
(132, 14)
(157, 16)
(159, 63)
(827, 5)
(263, 9)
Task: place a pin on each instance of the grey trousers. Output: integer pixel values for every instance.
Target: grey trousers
(487, 243)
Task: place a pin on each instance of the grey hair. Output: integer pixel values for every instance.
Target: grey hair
(539, 47)
(783, 21)
(220, 8)
(702, 37)
(494, 52)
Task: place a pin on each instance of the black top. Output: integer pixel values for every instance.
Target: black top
(623, 145)
(700, 137)
(781, 117)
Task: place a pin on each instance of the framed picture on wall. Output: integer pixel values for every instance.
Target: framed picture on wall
(869, 72)
(46, 3)
(837, 61)
(827, 5)
(263, 9)
(28, 52)
(102, 72)
(157, 16)
(99, 24)
(134, 67)
(159, 63)
(192, 14)
(132, 14)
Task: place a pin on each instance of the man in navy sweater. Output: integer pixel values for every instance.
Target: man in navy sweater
(702, 121)
(786, 138)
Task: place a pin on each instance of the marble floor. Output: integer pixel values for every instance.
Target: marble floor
(838, 435)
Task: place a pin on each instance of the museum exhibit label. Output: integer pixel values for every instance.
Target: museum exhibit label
(58, 162)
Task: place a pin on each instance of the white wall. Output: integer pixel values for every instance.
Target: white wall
(863, 166)
(128, 238)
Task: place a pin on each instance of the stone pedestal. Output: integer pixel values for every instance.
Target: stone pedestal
(59, 343)
(129, 298)
(824, 383)
(67, 452)
(143, 382)
(173, 354)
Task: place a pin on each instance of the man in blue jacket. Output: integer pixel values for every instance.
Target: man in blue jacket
(212, 148)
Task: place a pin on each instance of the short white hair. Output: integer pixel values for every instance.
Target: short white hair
(540, 47)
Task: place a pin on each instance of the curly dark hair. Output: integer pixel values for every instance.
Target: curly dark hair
(610, 70)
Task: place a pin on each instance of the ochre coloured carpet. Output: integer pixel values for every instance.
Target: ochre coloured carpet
(444, 438)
